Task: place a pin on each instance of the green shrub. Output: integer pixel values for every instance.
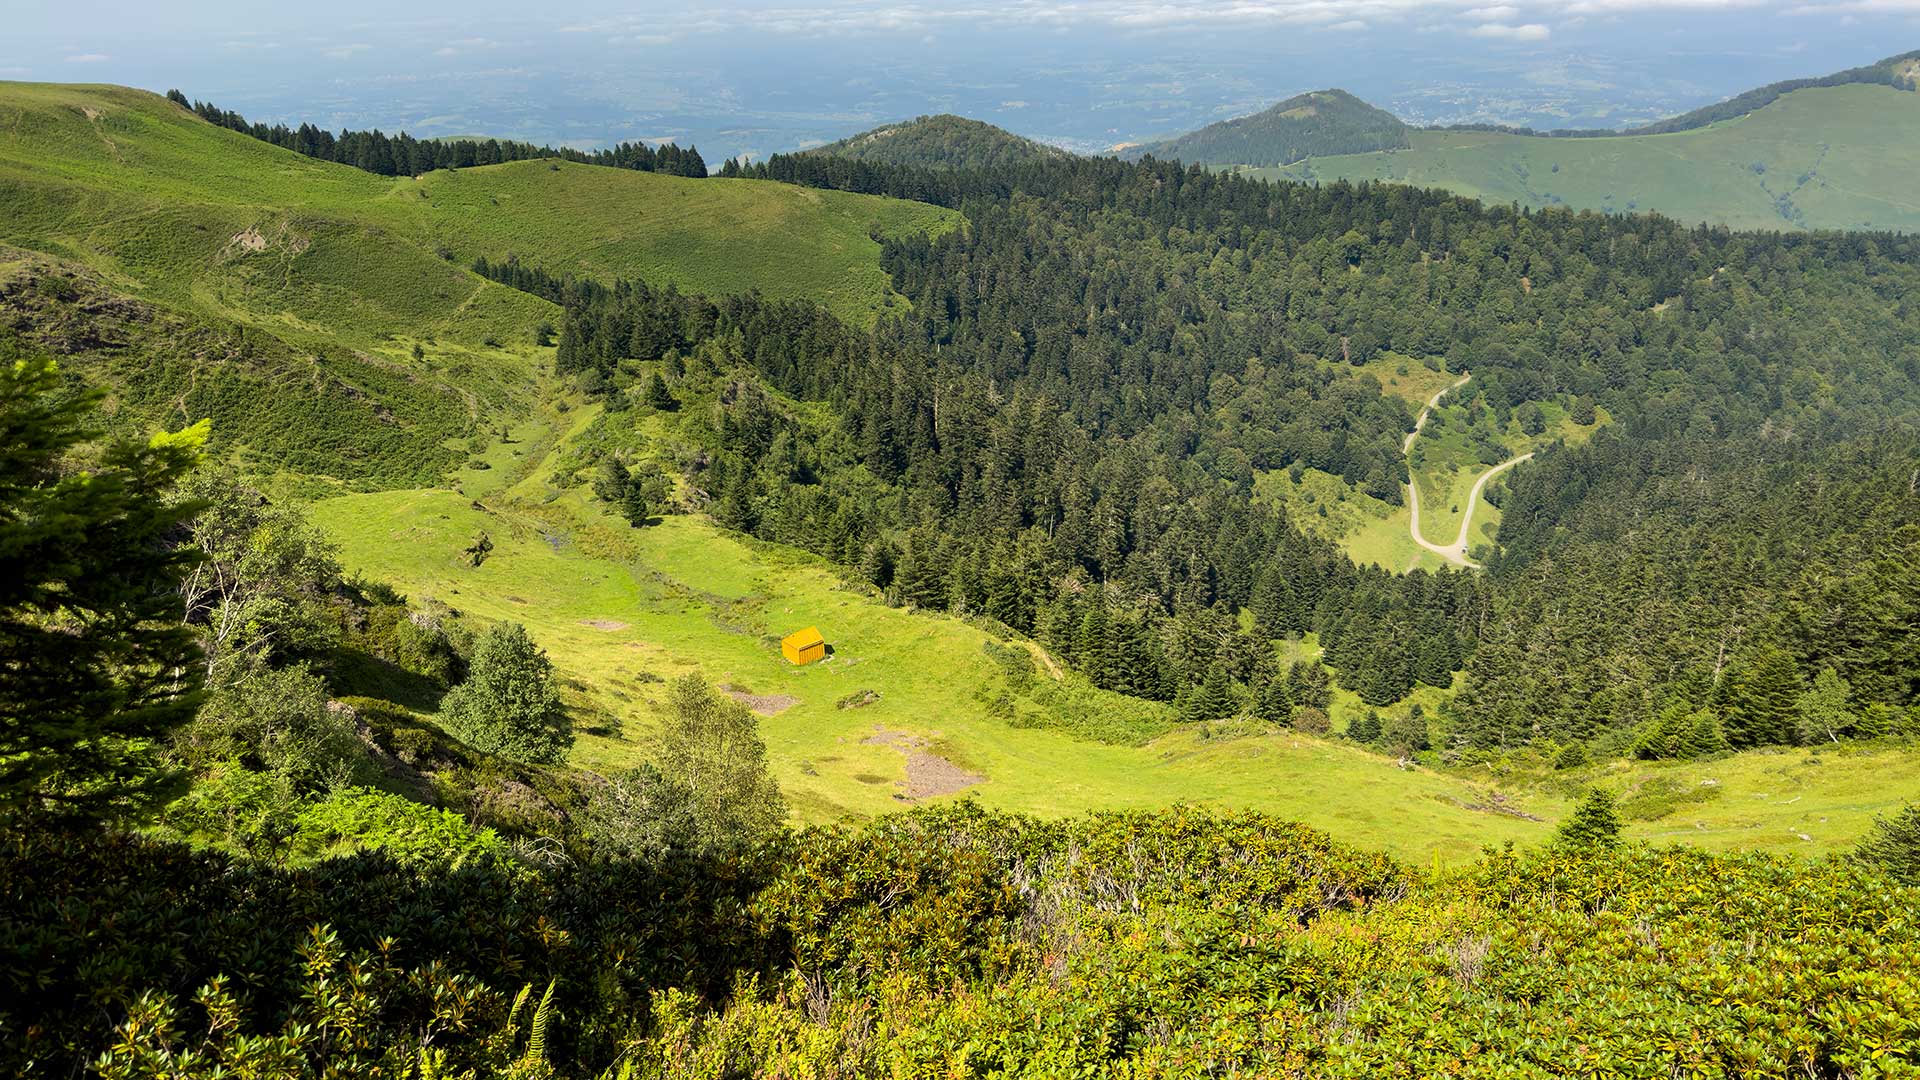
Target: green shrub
(508, 705)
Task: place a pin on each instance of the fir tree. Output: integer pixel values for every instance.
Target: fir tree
(1595, 822)
(1273, 701)
(659, 396)
(1893, 846)
(1762, 697)
(99, 666)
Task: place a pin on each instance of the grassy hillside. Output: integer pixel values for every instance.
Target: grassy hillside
(941, 142)
(220, 269)
(621, 610)
(130, 184)
(1841, 157)
(910, 706)
(1320, 123)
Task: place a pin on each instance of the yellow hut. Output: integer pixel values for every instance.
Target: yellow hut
(804, 646)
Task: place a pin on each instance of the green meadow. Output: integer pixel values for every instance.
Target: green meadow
(623, 610)
(1447, 463)
(169, 206)
(1841, 157)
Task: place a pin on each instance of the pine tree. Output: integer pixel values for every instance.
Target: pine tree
(610, 482)
(99, 666)
(659, 396)
(1309, 684)
(1762, 697)
(1212, 699)
(1595, 822)
(1273, 701)
(1893, 846)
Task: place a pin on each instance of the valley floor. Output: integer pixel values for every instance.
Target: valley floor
(902, 710)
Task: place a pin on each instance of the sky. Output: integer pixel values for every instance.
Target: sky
(756, 77)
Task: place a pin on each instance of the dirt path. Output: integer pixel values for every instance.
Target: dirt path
(1456, 552)
(1046, 661)
(1419, 422)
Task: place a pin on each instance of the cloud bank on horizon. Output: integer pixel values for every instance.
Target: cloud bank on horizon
(755, 76)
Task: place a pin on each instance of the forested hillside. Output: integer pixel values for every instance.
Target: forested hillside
(403, 155)
(1180, 351)
(939, 142)
(1317, 124)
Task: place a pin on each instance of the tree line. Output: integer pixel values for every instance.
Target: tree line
(403, 155)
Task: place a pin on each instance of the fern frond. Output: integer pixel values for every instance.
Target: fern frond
(519, 1002)
(542, 1016)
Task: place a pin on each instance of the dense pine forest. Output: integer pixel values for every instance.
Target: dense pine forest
(1065, 433)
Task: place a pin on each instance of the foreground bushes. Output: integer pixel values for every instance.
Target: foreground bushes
(955, 942)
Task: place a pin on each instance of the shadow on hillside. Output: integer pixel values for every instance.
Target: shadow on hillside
(357, 673)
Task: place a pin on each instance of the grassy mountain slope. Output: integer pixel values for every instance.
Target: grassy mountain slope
(1320, 123)
(940, 142)
(223, 270)
(1841, 157)
(197, 272)
(127, 182)
(1901, 71)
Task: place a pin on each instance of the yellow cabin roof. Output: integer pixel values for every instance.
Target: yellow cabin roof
(801, 639)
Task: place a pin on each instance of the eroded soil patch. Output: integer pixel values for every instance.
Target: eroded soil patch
(763, 704)
(928, 774)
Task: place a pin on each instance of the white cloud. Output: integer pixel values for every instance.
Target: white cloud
(1349, 25)
(345, 52)
(88, 58)
(1609, 7)
(15, 72)
(1506, 32)
(1524, 20)
(1858, 7)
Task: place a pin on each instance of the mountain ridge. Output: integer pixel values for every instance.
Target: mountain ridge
(1316, 123)
(940, 141)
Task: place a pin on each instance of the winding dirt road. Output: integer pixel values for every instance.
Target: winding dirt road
(1456, 552)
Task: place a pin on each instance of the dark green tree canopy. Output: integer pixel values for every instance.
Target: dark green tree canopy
(96, 665)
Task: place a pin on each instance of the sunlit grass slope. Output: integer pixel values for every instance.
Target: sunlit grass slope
(127, 182)
(682, 596)
(1841, 157)
(622, 610)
